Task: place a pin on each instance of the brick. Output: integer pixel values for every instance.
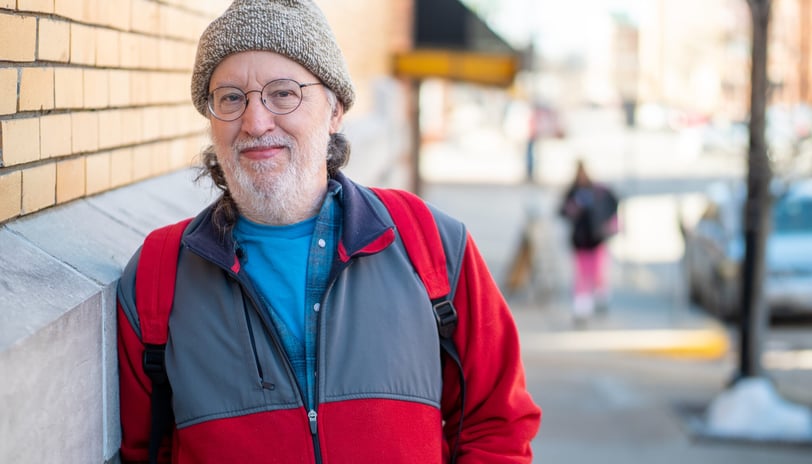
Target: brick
(110, 129)
(107, 48)
(139, 88)
(131, 120)
(176, 117)
(90, 13)
(168, 114)
(177, 156)
(39, 187)
(18, 34)
(54, 40)
(116, 14)
(10, 4)
(121, 167)
(142, 161)
(168, 88)
(171, 18)
(148, 51)
(97, 177)
(20, 141)
(84, 131)
(70, 180)
(68, 88)
(36, 89)
(11, 194)
(145, 17)
(160, 158)
(186, 56)
(96, 89)
(8, 90)
(82, 44)
(73, 9)
(151, 123)
(39, 6)
(129, 55)
(119, 88)
(55, 135)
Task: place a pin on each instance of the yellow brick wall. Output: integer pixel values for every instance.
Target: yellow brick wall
(94, 94)
(369, 32)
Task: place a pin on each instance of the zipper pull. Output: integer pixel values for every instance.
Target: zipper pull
(312, 416)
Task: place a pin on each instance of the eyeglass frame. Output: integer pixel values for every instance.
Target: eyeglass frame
(210, 98)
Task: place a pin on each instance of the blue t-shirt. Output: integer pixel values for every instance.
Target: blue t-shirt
(275, 257)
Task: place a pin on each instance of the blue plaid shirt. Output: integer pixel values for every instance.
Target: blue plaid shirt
(323, 249)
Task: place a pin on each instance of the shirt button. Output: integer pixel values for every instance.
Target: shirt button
(316, 307)
(322, 243)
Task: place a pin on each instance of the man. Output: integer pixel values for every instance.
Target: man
(299, 330)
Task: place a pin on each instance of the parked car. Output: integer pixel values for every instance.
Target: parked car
(714, 251)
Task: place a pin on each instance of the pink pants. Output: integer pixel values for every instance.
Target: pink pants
(590, 272)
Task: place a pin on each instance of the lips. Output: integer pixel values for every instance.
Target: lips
(261, 153)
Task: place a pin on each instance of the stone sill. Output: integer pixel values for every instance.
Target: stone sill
(58, 275)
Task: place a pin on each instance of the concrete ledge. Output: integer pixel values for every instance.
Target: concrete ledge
(59, 393)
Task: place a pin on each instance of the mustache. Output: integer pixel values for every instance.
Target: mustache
(267, 140)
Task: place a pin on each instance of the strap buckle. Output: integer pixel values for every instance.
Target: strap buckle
(154, 363)
(446, 316)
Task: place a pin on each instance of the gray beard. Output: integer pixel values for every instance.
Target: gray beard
(290, 196)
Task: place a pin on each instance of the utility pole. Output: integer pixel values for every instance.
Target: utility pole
(751, 409)
(754, 315)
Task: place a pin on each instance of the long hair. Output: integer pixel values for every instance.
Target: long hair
(225, 208)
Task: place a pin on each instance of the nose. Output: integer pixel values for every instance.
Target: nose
(257, 120)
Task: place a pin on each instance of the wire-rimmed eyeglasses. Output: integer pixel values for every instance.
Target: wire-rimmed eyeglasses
(280, 96)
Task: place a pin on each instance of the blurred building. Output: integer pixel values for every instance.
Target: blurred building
(694, 55)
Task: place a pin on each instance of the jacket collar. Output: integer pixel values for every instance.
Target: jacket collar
(366, 228)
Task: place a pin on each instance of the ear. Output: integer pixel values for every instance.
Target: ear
(336, 117)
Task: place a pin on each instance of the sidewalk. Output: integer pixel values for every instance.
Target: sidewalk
(626, 388)
(652, 320)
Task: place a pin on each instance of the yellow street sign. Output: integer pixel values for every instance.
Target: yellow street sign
(481, 68)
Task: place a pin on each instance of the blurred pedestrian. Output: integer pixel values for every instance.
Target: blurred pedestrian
(299, 329)
(591, 210)
(544, 122)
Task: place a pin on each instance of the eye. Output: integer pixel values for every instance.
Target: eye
(283, 94)
(231, 97)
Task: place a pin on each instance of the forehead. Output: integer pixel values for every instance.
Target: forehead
(257, 66)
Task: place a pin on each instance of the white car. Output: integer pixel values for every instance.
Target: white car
(714, 251)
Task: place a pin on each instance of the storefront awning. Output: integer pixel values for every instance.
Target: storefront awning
(452, 42)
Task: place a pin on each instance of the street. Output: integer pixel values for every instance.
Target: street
(633, 385)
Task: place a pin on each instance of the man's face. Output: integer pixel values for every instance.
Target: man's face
(275, 165)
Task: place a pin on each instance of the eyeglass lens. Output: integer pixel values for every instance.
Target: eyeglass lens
(281, 96)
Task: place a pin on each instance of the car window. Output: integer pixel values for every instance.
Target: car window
(792, 215)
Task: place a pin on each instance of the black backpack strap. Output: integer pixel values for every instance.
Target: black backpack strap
(421, 238)
(446, 316)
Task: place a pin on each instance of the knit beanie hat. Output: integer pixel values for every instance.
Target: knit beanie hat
(296, 29)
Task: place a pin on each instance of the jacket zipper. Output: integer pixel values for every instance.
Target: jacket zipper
(262, 381)
(312, 415)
